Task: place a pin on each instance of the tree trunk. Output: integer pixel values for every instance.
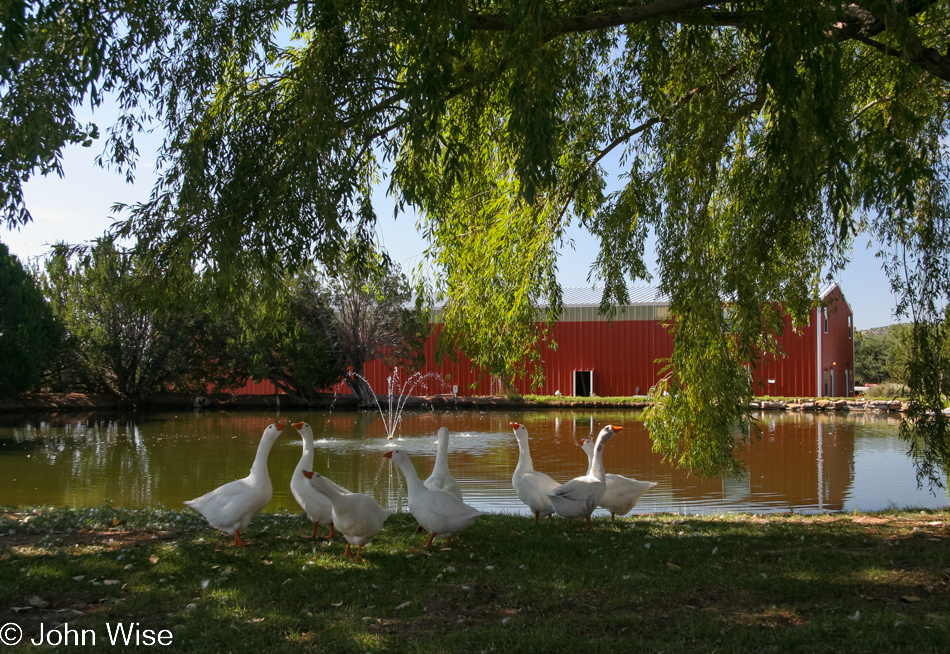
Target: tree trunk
(361, 390)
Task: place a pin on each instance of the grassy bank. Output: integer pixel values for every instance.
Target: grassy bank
(728, 583)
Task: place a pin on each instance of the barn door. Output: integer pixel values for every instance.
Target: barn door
(583, 383)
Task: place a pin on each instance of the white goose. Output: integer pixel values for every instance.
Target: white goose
(317, 506)
(231, 507)
(437, 511)
(622, 493)
(441, 478)
(531, 486)
(580, 496)
(358, 517)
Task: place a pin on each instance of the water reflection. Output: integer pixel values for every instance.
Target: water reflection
(803, 462)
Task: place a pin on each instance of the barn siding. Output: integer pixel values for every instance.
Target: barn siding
(625, 354)
(798, 374)
(837, 351)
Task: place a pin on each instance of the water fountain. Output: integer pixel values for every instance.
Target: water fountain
(398, 394)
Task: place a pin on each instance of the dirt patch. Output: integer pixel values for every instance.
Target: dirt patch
(771, 619)
(109, 539)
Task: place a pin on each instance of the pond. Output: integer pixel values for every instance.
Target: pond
(804, 462)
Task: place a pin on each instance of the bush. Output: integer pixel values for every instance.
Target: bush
(887, 391)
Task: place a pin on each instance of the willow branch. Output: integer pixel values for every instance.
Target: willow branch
(595, 21)
(929, 59)
(629, 134)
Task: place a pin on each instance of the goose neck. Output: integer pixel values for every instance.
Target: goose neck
(260, 459)
(412, 477)
(596, 468)
(306, 457)
(329, 491)
(442, 455)
(525, 463)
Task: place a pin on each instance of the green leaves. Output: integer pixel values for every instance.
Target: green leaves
(131, 334)
(353, 311)
(926, 428)
(754, 141)
(30, 337)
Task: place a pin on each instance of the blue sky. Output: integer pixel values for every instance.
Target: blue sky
(76, 209)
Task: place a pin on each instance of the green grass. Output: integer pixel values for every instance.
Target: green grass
(555, 400)
(726, 583)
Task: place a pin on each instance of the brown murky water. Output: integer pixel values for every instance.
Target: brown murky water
(804, 462)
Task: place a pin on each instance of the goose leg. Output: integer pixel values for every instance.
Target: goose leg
(237, 539)
(331, 531)
(346, 552)
(536, 514)
(314, 534)
(429, 542)
(588, 523)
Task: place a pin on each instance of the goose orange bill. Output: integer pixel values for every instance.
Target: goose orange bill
(388, 454)
(616, 427)
(280, 425)
(514, 425)
(298, 425)
(308, 474)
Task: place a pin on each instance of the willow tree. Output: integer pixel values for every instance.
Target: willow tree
(758, 140)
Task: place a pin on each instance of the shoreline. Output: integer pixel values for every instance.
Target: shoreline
(32, 403)
(65, 403)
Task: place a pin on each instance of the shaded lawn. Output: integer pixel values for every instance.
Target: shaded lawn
(730, 583)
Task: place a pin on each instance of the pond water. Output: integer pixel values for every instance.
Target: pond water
(804, 462)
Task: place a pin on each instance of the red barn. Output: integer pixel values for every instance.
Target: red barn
(620, 357)
(819, 359)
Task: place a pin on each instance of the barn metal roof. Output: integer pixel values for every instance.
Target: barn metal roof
(583, 296)
(586, 297)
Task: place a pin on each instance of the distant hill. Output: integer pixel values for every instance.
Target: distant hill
(875, 331)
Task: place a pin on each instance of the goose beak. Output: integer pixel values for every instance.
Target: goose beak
(388, 454)
(514, 425)
(280, 425)
(616, 427)
(308, 474)
(299, 425)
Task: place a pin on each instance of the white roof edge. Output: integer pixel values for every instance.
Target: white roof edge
(585, 296)
(827, 290)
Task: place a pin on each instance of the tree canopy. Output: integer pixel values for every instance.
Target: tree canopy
(30, 337)
(284, 340)
(758, 140)
(880, 355)
(371, 316)
(128, 334)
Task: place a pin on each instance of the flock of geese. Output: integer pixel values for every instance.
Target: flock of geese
(435, 503)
